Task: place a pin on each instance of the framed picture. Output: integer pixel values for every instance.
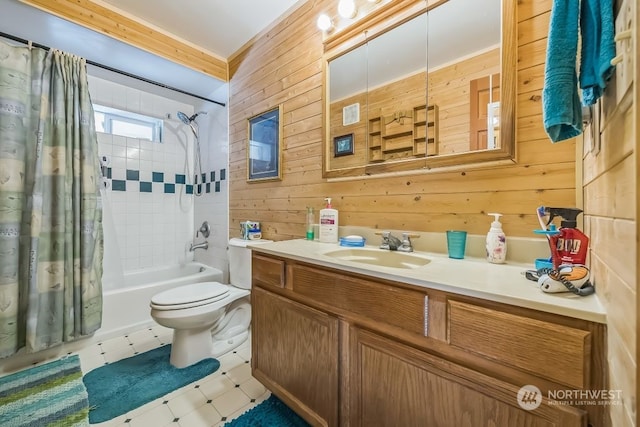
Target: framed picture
(264, 147)
(343, 145)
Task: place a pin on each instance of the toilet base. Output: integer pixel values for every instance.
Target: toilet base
(190, 346)
(224, 346)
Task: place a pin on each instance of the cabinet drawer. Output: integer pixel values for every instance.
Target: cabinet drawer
(268, 271)
(555, 352)
(392, 305)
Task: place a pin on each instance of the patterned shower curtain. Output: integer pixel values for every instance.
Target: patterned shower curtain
(50, 206)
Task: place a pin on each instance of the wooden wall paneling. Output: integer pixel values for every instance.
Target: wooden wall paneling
(612, 194)
(527, 9)
(113, 24)
(542, 151)
(544, 171)
(608, 237)
(532, 54)
(533, 29)
(529, 104)
(617, 144)
(531, 79)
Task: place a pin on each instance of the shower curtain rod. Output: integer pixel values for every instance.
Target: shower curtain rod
(115, 70)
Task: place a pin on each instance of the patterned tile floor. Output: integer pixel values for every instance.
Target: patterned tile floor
(209, 402)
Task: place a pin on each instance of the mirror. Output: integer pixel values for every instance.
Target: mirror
(422, 87)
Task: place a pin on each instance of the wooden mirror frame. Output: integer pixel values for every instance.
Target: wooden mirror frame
(387, 17)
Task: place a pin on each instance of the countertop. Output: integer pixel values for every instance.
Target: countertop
(474, 277)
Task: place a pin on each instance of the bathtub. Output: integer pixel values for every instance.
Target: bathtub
(126, 307)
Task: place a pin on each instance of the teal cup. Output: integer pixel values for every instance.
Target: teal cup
(456, 243)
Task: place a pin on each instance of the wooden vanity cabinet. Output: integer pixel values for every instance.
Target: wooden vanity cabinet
(343, 349)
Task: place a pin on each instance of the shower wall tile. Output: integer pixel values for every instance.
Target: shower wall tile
(152, 228)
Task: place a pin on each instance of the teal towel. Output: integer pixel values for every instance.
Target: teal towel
(597, 27)
(561, 109)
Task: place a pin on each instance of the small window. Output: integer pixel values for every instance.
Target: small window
(125, 123)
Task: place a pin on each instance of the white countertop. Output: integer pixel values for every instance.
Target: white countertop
(474, 277)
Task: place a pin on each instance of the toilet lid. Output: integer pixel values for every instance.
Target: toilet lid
(200, 293)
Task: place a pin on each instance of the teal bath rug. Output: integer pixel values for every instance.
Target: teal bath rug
(122, 386)
(270, 413)
(47, 395)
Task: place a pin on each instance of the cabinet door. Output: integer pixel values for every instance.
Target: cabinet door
(295, 355)
(395, 385)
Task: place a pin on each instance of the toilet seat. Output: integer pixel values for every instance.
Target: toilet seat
(189, 296)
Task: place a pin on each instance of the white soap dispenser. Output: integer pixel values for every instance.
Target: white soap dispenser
(496, 241)
(328, 229)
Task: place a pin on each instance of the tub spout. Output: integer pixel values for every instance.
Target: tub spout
(204, 245)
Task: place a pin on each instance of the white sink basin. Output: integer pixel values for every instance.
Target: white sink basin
(380, 257)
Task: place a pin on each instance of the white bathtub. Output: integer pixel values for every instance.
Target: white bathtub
(126, 307)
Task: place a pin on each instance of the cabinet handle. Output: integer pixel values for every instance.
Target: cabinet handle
(426, 315)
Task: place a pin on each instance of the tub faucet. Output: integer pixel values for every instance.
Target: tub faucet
(204, 245)
(389, 241)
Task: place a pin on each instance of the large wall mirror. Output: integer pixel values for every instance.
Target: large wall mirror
(421, 85)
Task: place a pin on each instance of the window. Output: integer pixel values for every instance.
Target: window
(125, 123)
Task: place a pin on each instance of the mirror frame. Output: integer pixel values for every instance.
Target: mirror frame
(387, 17)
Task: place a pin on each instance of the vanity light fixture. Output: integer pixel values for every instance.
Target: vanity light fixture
(324, 22)
(347, 9)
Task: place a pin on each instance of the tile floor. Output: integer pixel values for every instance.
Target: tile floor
(209, 402)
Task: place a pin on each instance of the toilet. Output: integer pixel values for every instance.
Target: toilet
(208, 318)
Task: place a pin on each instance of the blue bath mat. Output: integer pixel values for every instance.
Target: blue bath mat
(270, 413)
(47, 395)
(122, 386)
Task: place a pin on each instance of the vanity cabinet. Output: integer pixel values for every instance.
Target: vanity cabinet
(347, 349)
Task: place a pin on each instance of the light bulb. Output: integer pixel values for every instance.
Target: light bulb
(324, 22)
(347, 8)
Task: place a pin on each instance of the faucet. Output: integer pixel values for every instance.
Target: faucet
(406, 245)
(392, 243)
(389, 241)
(204, 245)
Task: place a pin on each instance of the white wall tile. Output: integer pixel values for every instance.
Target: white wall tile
(152, 229)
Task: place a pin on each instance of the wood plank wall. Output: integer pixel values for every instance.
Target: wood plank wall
(610, 220)
(110, 21)
(284, 66)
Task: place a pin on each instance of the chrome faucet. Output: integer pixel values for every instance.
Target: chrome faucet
(389, 241)
(392, 243)
(204, 245)
(406, 245)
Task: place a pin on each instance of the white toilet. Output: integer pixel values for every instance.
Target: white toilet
(208, 319)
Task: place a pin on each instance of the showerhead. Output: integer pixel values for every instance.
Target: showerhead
(186, 119)
(183, 118)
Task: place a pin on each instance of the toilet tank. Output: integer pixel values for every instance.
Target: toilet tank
(240, 261)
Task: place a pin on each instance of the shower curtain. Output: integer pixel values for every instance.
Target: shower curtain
(50, 206)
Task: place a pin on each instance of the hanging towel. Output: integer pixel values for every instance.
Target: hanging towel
(561, 109)
(597, 27)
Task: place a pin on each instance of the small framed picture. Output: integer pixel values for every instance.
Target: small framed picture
(343, 145)
(264, 146)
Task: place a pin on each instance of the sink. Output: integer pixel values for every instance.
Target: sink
(380, 257)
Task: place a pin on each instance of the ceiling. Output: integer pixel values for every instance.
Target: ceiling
(218, 26)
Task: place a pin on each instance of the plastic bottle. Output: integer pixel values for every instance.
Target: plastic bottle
(328, 229)
(310, 222)
(570, 246)
(496, 243)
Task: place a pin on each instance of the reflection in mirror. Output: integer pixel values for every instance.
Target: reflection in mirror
(464, 76)
(348, 105)
(459, 112)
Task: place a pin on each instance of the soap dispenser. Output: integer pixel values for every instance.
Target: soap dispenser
(496, 241)
(328, 229)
